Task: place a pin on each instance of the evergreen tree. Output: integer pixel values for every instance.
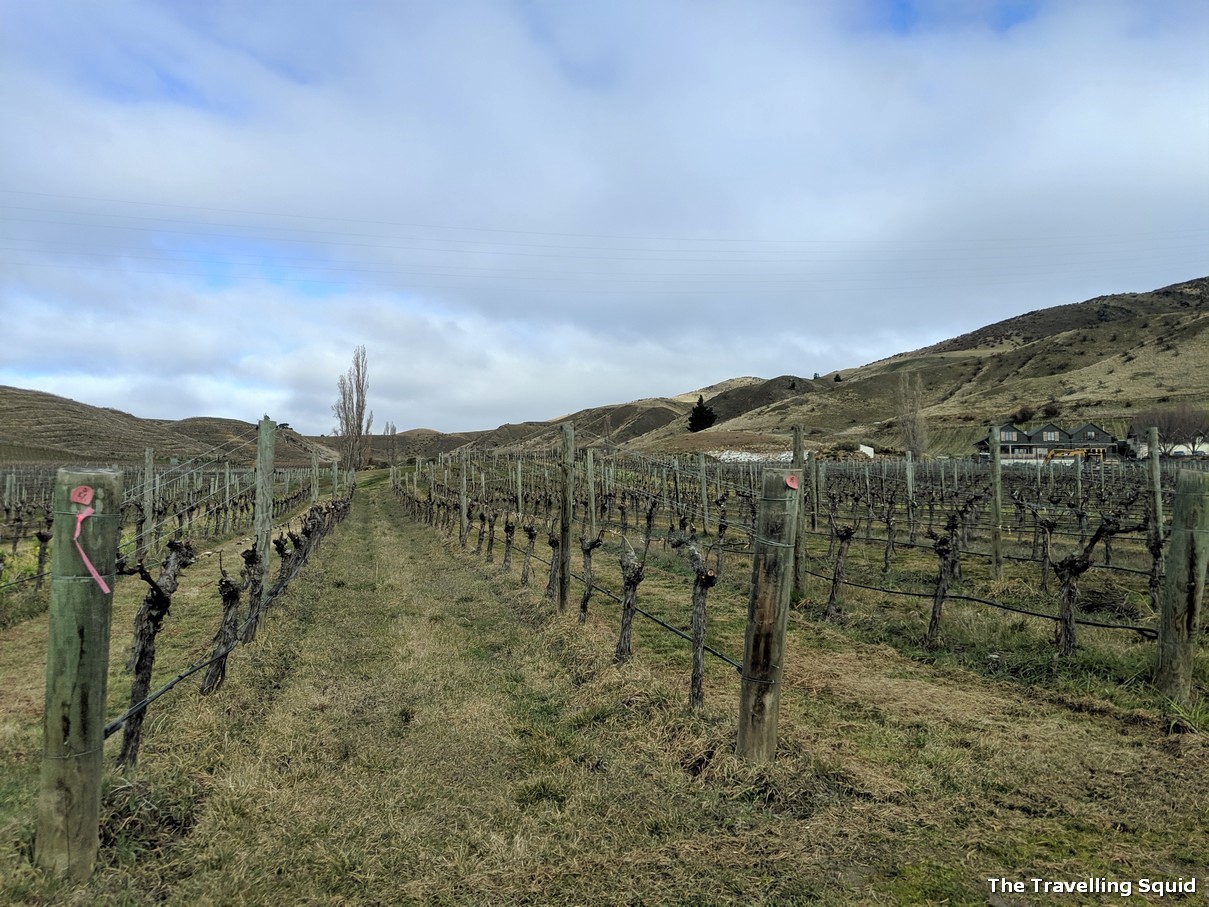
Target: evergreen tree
(702, 416)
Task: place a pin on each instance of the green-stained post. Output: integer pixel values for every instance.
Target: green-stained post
(1183, 596)
(996, 506)
(799, 550)
(69, 803)
(767, 613)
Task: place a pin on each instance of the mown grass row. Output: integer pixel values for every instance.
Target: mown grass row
(411, 727)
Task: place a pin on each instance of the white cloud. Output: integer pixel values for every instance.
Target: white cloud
(523, 209)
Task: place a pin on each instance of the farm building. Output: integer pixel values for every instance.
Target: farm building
(1051, 441)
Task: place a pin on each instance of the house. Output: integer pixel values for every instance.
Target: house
(1090, 435)
(1049, 436)
(1013, 442)
(1016, 443)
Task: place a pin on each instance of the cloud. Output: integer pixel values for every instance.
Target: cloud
(523, 209)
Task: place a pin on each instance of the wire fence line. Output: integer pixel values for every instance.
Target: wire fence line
(620, 490)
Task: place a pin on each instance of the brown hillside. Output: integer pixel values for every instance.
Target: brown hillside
(1099, 361)
(41, 427)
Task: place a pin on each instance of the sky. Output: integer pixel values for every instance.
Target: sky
(523, 208)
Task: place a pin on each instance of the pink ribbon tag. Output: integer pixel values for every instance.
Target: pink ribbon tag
(82, 494)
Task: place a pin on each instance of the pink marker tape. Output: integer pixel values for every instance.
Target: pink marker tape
(82, 494)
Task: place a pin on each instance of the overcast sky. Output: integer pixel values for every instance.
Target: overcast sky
(523, 208)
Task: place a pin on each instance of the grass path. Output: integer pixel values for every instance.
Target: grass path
(412, 728)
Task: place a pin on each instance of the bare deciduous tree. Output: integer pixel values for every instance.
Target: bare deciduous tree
(392, 443)
(1180, 424)
(353, 423)
(911, 414)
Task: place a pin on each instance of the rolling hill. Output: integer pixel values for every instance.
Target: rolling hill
(40, 427)
(1098, 360)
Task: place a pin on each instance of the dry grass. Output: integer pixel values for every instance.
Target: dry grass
(36, 427)
(412, 728)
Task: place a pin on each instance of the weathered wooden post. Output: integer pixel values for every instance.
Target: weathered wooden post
(591, 493)
(148, 502)
(314, 476)
(1154, 523)
(265, 440)
(816, 490)
(88, 512)
(704, 494)
(567, 514)
(464, 503)
(996, 506)
(262, 519)
(799, 551)
(767, 612)
(1184, 586)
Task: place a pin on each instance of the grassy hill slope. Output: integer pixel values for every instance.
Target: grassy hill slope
(1098, 361)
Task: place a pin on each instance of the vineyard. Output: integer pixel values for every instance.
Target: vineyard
(1075, 553)
(591, 616)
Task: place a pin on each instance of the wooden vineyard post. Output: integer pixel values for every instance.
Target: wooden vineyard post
(1154, 525)
(87, 526)
(591, 493)
(996, 506)
(567, 514)
(148, 504)
(463, 504)
(265, 437)
(767, 612)
(704, 495)
(816, 490)
(314, 476)
(799, 551)
(1184, 586)
(263, 523)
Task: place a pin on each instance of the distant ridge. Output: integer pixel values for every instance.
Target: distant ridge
(41, 427)
(1097, 361)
